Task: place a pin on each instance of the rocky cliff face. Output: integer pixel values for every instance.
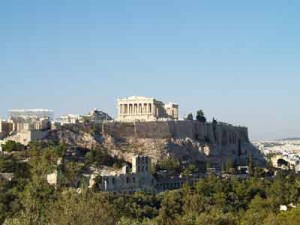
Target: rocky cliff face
(75, 135)
(183, 149)
(214, 133)
(184, 140)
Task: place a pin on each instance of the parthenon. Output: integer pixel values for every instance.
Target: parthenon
(145, 109)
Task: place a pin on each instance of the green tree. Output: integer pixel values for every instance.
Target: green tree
(200, 116)
(259, 209)
(87, 208)
(208, 163)
(100, 156)
(34, 199)
(216, 217)
(128, 221)
(10, 146)
(171, 208)
(171, 165)
(190, 169)
(71, 171)
(251, 164)
(290, 217)
(42, 161)
(229, 168)
(9, 202)
(190, 116)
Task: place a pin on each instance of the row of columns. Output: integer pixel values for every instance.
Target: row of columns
(136, 108)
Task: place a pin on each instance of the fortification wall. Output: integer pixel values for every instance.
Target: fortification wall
(158, 129)
(119, 129)
(220, 133)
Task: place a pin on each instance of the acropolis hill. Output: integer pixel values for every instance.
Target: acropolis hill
(189, 141)
(150, 127)
(185, 140)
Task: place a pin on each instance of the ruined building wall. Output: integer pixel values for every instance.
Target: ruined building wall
(220, 134)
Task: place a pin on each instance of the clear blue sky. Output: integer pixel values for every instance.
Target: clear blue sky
(237, 60)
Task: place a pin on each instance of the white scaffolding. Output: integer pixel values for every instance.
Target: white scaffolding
(31, 113)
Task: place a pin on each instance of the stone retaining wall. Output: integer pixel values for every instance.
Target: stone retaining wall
(220, 133)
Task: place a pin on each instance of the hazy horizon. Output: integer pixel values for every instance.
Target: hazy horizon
(237, 61)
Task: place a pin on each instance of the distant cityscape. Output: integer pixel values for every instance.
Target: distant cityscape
(286, 151)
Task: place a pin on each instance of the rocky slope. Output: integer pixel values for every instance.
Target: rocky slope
(227, 143)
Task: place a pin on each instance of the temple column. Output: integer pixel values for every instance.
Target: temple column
(134, 109)
(153, 110)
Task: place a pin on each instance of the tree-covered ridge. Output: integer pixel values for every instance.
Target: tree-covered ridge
(29, 199)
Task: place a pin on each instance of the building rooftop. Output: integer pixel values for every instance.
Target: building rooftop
(136, 98)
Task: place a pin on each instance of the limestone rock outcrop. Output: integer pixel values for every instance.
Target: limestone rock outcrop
(184, 140)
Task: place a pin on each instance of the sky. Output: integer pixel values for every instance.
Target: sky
(236, 60)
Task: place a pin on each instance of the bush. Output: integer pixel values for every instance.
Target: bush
(11, 146)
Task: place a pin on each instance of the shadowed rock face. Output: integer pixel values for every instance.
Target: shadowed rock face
(185, 140)
(184, 149)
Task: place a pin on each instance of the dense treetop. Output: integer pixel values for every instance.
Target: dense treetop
(29, 199)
